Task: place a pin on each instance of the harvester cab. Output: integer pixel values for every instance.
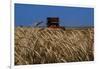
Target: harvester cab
(53, 22)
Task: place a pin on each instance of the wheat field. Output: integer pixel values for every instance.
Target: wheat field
(40, 46)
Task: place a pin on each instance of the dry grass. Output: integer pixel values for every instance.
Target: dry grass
(39, 46)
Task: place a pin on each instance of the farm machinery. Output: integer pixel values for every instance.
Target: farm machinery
(51, 23)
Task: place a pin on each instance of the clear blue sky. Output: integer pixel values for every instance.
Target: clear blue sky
(26, 14)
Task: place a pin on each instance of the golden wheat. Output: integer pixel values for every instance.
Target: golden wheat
(39, 46)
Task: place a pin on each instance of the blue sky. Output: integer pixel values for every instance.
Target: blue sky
(27, 14)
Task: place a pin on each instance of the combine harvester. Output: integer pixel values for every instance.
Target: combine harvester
(53, 23)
